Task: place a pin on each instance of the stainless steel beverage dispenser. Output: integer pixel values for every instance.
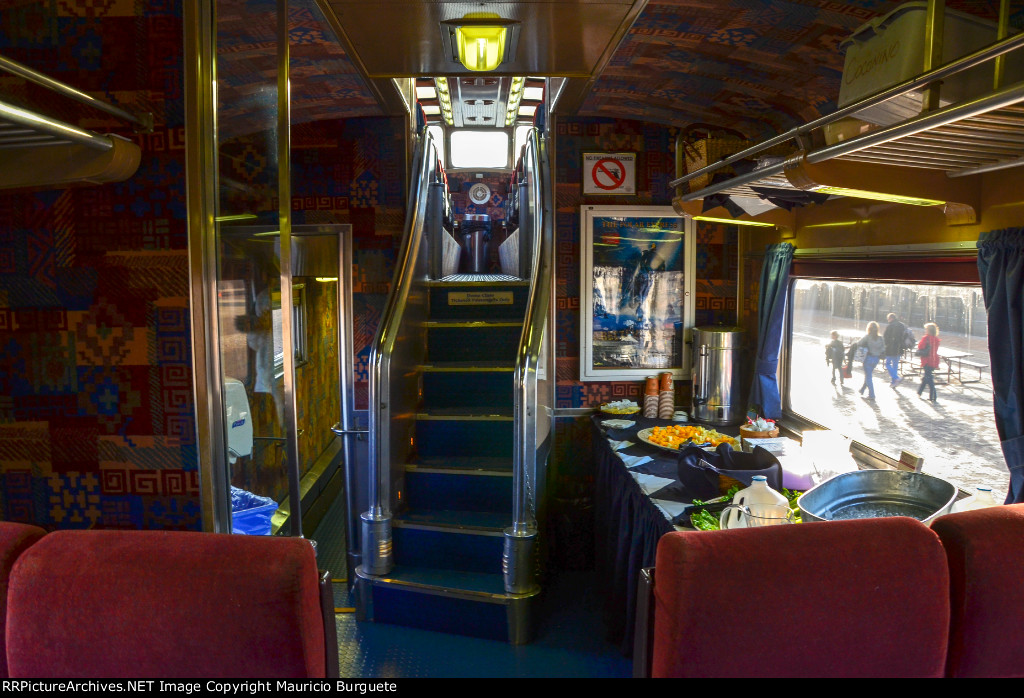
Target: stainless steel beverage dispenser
(717, 393)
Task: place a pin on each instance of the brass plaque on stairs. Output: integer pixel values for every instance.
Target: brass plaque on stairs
(479, 298)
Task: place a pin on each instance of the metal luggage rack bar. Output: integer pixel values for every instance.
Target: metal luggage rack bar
(973, 136)
(20, 128)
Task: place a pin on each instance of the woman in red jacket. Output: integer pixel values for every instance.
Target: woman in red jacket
(928, 350)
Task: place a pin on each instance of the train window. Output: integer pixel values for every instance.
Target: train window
(438, 134)
(299, 324)
(484, 149)
(522, 133)
(955, 433)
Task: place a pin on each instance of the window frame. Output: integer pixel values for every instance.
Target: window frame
(510, 156)
(947, 265)
(299, 323)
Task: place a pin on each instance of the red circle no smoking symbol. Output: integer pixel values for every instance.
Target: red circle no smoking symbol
(608, 173)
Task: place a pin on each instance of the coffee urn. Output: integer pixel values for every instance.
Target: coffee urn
(717, 394)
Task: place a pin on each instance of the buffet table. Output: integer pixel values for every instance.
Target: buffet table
(637, 493)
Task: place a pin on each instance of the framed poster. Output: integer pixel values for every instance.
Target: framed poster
(636, 291)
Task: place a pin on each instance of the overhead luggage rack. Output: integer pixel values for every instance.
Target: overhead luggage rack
(70, 154)
(972, 136)
(21, 127)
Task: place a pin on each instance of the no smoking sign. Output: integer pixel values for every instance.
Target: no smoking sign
(609, 173)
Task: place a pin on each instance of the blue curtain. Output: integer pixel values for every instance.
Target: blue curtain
(771, 313)
(1001, 268)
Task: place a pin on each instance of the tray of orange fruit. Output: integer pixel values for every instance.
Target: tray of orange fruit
(675, 436)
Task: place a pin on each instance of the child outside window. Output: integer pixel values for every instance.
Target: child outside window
(834, 355)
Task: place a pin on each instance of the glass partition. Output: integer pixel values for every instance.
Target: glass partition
(248, 236)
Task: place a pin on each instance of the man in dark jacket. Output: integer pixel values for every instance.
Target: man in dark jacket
(893, 337)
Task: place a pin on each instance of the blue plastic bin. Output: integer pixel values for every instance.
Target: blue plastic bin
(251, 513)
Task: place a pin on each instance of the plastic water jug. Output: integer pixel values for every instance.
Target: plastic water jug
(981, 499)
(759, 495)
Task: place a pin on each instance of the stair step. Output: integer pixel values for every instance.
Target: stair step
(469, 367)
(471, 541)
(489, 588)
(467, 384)
(490, 413)
(465, 297)
(473, 340)
(468, 465)
(482, 523)
(458, 490)
(460, 435)
(479, 280)
(448, 601)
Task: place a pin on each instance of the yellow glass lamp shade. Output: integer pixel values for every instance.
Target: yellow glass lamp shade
(481, 47)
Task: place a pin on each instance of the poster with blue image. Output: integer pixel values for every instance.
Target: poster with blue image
(637, 293)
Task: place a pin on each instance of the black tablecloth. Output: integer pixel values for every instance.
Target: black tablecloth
(627, 524)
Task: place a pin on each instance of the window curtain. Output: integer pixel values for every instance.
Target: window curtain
(771, 313)
(1001, 268)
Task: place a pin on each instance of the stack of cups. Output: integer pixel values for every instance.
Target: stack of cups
(651, 397)
(666, 396)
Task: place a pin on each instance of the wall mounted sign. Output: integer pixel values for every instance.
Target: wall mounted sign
(637, 291)
(609, 173)
(479, 298)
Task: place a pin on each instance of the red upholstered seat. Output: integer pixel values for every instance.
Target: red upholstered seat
(165, 604)
(845, 598)
(15, 538)
(985, 553)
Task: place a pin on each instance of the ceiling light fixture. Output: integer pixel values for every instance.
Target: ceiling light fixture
(730, 221)
(877, 196)
(515, 94)
(481, 41)
(444, 97)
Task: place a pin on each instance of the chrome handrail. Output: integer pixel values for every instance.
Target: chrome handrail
(23, 71)
(56, 132)
(971, 60)
(519, 538)
(376, 522)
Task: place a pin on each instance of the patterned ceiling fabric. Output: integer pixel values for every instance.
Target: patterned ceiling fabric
(324, 82)
(758, 66)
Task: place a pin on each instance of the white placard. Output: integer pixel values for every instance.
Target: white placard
(609, 173)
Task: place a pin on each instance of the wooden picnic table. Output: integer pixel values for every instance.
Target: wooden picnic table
(955, 361)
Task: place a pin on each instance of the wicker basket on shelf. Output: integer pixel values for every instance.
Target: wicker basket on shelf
(747, 431)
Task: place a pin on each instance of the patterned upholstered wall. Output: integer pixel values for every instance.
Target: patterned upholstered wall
(353, 171)
(97, 426)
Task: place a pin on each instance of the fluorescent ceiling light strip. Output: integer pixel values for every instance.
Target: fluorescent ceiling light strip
(878, 196)
(730, 221)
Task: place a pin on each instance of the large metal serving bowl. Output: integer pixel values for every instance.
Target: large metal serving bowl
(864, 494)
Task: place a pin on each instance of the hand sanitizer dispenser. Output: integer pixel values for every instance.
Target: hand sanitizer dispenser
(239, 419)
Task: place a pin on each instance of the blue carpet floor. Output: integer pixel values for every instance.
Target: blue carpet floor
(569, 641)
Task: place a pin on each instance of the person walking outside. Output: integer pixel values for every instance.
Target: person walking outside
(894, 337)
(928, 350)
(874, 346)
(834, 353)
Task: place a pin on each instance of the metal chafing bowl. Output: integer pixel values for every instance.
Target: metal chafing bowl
(864, 494)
